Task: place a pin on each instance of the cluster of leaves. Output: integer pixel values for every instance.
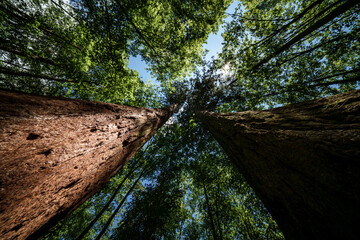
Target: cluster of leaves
(290, 51)
(82, 49)
(277, 52)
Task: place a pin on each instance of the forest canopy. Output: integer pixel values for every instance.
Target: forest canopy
(180, 185)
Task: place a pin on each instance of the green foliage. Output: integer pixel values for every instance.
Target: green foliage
(175, 34)
(259, 29)
(190, 189)
(83, 48)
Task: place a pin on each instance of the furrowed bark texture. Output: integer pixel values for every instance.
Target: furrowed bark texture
(303, 161)
(56, 152)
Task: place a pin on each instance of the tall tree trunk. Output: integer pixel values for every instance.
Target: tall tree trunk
(57, 152)
(303, 160)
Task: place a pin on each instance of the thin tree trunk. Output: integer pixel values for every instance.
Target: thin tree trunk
(246, 222)
(217, 219)
(24, 18)
(336, 75)
(309, 84)
(303, 160)
(335, 13)
(128, 18)
(91, 224)
(326, 43)
(210, 214)
(107, 224)
(180, 231)
(293, 20)
(57, 152)
(12, 72)
(348, 80)
(20, 52)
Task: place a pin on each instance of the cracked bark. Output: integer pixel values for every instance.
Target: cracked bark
(56, 152)
(303, 161)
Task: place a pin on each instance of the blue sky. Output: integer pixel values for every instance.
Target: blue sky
(213, 45)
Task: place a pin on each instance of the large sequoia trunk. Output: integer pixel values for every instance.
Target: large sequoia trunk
(57, 152)
(303, 160)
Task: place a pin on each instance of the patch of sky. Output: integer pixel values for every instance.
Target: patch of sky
(215, 40)
(213, 45)
(141, 66)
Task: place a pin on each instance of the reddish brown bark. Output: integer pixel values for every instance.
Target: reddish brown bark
(57, 152)
(303, 160)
